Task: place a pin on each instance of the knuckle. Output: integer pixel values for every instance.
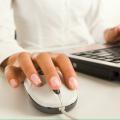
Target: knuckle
(8, 70)
(8, 67)
(23, 54)
(61, 56)
(40, 55)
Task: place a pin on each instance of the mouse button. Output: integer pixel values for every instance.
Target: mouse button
(44, 96)
(68, 96)
(41, 91)
(49, 101)
(32, 89)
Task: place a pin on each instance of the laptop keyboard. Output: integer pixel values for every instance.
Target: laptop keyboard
(111, 54)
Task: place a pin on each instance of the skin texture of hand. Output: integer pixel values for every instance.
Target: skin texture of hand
(22, 65)
(112, 35)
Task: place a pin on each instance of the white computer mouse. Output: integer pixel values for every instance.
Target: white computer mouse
(47, 101)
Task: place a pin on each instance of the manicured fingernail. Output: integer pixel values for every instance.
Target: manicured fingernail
(55, 83)
(13, 83)
(35, 79)
(73, 83)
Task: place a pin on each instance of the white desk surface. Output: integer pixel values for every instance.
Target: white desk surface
(97, 99)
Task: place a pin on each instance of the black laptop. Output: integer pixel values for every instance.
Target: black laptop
(101, 61)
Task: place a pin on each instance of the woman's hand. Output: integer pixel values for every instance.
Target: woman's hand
(22, 65)
(112, 35)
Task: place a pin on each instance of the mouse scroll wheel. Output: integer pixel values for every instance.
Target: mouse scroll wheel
(56, 92)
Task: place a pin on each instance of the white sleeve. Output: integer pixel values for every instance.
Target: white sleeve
(96, 22)
(8, 44)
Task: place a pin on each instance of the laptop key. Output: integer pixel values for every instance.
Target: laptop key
(117, 61)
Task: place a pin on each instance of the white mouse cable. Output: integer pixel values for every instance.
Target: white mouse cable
(62, 109)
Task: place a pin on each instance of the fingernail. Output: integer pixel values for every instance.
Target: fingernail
(55, 83)
(35, 79)
(73, 83)
(13, 83)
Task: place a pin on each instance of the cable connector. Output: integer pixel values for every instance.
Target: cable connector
(62, 109)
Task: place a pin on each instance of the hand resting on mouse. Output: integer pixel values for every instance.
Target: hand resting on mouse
(24, 65)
